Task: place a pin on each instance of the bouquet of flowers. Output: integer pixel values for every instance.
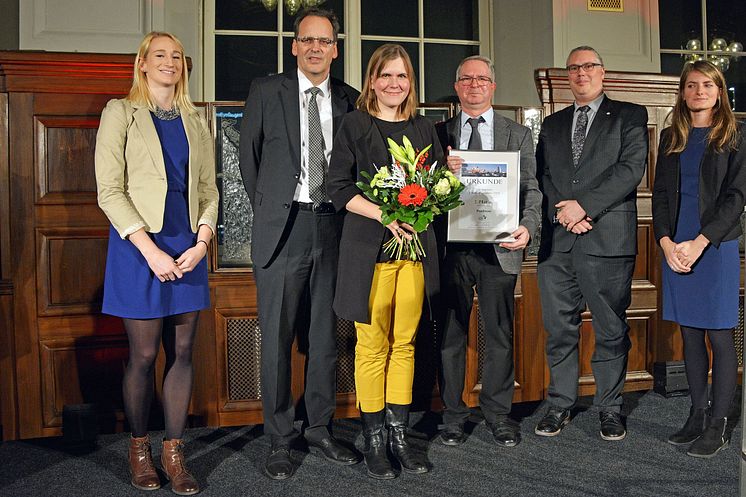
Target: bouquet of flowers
(411, 192)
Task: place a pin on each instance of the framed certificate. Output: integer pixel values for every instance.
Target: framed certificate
(491, 198)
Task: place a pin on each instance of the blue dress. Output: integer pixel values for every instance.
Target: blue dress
(707, 296)
(131, 289)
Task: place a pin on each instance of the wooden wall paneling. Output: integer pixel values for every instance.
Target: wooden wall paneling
(530, 344)
(8, 401)
(71, 270)
(5, 255)
(65, 159)
(237, 366)
(23, 271)
(83, 370)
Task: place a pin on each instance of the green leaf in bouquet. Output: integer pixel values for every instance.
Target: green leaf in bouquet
(422, 152)
(387, 219)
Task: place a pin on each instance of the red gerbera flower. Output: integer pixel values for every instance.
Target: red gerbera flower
(412, 194)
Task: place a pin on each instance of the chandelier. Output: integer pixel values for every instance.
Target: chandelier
(720, 52)
(291, 6)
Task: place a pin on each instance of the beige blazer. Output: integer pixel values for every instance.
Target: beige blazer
(131, 173)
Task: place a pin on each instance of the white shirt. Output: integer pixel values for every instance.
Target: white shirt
(485, 129)
(324, 102)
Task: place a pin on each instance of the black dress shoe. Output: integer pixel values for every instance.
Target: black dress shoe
(612, 427)
(507, 433)
(278, 465)
(553, 421)
(332, 450)
(453, 434)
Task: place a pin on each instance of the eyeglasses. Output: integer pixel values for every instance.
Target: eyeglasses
(308, 41)
(479, 80)
(587, 67)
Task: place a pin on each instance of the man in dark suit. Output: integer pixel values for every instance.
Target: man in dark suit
(591, 157)
(286, 137)
(492, 268)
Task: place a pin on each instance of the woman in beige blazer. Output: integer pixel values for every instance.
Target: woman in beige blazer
(155, 174)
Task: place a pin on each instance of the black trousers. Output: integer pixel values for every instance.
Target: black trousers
(567, 281)
(294, 295)
(467, 265)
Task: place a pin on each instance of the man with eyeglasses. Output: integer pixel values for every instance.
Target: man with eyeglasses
(591, 156)
(287, 132)
(492, 268)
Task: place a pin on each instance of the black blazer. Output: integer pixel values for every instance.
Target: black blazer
(604, 183)
(269, 153)
(359, 146)
(722, 191)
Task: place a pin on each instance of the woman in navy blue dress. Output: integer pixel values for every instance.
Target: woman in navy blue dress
(156, 183)
(698, 198)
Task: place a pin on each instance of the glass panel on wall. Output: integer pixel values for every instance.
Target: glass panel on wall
(336, 6)
(240, 59)
(683, 22)
(289, 61)
(451, 19)
(441, 62)
(244, 15)
(389, 18)
(726, 19)
(235, 214)
(722, 44)
(369, 46)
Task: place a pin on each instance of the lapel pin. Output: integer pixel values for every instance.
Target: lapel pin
(608, 113)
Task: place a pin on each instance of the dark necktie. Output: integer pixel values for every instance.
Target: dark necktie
(316, 157)
(475, 140)
(578, 136)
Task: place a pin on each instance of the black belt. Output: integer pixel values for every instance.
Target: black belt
(323, 208)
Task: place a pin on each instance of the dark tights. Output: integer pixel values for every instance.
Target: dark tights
(177, 333)
(724, 368)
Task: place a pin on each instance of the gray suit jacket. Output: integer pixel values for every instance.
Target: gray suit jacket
(508, 136)
(604, 183)
(269, 152)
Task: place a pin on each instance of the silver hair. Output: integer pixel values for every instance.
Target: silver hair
(480, 58)
(585, 48)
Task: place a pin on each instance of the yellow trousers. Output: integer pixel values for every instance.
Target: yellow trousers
(384, 354)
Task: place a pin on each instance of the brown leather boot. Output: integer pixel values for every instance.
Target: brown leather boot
(172, 459)
(142, 469)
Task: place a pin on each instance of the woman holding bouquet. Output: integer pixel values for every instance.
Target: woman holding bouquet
(381, 294)
(698, 198)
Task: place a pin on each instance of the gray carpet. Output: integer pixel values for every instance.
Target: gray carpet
(228, 461)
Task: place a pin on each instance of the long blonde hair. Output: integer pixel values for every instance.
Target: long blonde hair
(140, 91)
(724, 131)
(367, 100)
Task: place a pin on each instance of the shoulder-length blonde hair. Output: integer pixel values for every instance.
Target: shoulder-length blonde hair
(140, 91)
(724, 131)
(367, 100)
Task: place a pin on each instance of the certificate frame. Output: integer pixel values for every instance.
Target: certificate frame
(491, 198)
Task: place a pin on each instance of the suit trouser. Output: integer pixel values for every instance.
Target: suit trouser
(466, 266)
(567, 281)
(384, 354)
(294, 295)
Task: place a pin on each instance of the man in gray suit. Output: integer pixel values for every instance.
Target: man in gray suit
(493, 268)
(286, 137)
(591, 157)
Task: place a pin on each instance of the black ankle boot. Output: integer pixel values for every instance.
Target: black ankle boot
(694, 427)
(397, 420)
(712, 440)
(374, 449)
